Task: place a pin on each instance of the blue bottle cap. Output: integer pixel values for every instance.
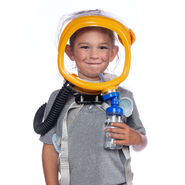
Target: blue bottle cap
(114, 110)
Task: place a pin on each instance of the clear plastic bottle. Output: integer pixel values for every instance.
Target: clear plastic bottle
(108, 141)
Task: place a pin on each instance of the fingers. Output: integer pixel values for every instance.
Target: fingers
(123, 134)
(115, 130)
(120, 132)
(119, 124)
(116, 136)
(119, 128)
(121, 142)
(120, 139)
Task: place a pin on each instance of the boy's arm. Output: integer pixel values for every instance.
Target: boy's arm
(50, 164)
(142, 144)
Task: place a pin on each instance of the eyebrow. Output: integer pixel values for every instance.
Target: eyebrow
(81, 43)
(103, 43)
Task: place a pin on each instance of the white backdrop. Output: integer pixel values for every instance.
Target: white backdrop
(29, 73)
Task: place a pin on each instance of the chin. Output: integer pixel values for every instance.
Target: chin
(94, 77)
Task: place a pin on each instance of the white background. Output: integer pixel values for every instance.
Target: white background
(29, 73)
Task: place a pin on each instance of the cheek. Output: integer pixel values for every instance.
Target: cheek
(106, 56)
(79, 55)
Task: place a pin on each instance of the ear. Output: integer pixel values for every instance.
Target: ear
(114, 53)
(69, 52)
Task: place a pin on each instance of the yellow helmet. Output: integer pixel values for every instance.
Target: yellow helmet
(101, 19)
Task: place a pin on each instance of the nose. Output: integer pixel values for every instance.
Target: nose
(94, 53)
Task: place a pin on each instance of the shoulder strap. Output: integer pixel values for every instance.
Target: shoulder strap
(63, 156)
(128, 171)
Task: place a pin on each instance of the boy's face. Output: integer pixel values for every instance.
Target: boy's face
(92, 52)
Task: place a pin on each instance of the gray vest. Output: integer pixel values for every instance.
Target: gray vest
(80, 137)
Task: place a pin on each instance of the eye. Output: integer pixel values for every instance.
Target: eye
(84, 47)
(103, 47)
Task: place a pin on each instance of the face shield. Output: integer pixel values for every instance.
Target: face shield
(93, 18)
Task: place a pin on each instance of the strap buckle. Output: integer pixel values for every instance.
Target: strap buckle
(88, 99)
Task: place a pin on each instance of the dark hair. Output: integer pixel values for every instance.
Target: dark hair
(105, 30)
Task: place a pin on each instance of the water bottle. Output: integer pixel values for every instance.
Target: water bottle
(108, 141)
(114, 113)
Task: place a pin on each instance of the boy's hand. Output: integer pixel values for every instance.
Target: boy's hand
(124, 134)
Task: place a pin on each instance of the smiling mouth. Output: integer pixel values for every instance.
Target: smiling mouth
(93, 63)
